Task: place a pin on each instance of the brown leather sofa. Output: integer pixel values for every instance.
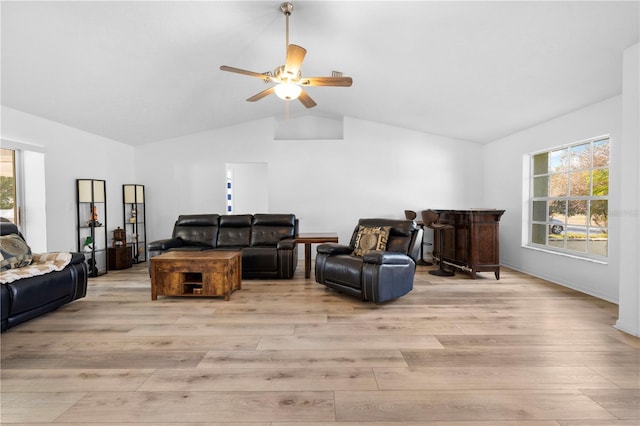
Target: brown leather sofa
(267, 241)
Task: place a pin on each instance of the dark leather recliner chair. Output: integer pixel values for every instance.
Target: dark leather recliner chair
(376, 276)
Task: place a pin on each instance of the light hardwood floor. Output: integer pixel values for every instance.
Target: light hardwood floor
(455, 351)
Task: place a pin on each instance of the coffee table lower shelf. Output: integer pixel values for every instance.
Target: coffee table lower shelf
(189, 274)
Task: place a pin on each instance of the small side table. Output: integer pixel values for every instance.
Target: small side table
(309, 238)
(119, 257)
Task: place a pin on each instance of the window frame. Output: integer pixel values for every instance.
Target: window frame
(18, 187)
(536, 201)
(30, 191)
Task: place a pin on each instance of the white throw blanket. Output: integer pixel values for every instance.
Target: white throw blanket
(41, 264)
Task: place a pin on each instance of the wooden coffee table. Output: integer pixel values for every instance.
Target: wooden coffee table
(196, 273)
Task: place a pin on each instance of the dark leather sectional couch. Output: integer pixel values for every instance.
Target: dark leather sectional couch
(28, 298)
(267, 241)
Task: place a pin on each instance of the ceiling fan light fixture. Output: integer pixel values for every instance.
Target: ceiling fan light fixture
(288, 91)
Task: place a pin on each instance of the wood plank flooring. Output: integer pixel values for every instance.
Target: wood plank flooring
(454, 352)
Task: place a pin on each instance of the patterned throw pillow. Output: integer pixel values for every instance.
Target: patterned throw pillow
(14, 252)
(371, 238)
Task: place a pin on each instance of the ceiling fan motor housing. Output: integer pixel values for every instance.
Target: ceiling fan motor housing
(284, 75)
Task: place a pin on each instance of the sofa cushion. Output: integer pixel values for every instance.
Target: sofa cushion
(14, 252)
(235, 231)
(371, 238)
(269, 229)
(259, 259)
(197, 229)
(400, 237)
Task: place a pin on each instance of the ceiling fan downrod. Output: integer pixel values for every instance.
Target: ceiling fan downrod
(287, 10)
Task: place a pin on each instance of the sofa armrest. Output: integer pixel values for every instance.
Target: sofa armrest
(334, 248)
(57, 258)
(288, 244)
(386, 258)
(77, 258)
(162, 245)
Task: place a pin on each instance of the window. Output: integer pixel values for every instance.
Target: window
(22, 191)
(569, 199)
(8, 195)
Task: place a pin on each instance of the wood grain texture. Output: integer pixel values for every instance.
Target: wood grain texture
(73, 380)
(454, 352)
(466, 405)
(201, 406)
(262, 379)
(461, 377)
(303, 359)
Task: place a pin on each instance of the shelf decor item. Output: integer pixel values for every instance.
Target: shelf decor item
(134, 214)
(91, 233)
(88, 244)
(119, 238)
(93, 217)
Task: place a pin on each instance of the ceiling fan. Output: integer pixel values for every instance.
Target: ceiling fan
(288, 77)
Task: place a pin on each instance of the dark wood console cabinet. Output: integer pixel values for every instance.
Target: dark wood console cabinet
(473, 244)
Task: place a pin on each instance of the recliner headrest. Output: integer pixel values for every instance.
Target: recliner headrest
(398, 227)
(274, 219)
(235, 221)
(8, 228)
(197, 220)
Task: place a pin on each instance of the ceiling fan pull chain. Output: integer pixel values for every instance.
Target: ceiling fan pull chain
(286, 111)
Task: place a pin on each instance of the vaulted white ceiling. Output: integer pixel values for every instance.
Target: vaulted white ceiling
(139, 72)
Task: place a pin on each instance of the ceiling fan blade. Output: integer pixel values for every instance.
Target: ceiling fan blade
(306, 100)
(261, 95)
(245, 72)
(327, 81)
(295, 56)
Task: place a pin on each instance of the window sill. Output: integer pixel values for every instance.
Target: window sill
(572, 256)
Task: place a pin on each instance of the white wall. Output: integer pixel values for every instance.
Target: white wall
(375, 171)
(71, 154)
(35, 201)
(504, 184)
(629, 184)
(619, 280)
